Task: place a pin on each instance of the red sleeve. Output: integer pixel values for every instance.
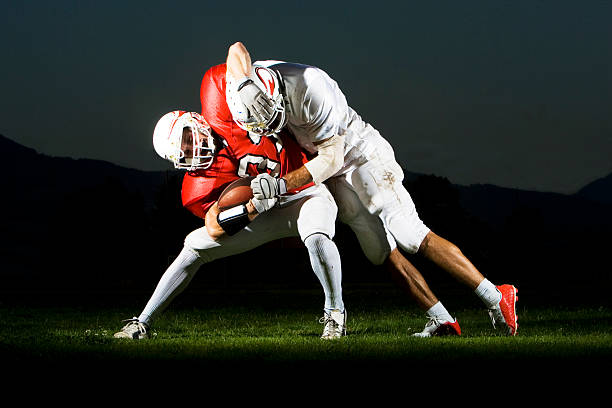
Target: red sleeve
(214, 106)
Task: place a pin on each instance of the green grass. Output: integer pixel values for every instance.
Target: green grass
(217, 331)
(256, 344)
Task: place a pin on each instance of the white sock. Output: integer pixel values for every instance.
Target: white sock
(488, 293)
(439, 312)
(325, 261)
(173, 281)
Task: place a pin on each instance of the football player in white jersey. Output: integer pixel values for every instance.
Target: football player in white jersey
(359, 167)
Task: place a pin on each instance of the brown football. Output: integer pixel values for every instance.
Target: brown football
(236, 193)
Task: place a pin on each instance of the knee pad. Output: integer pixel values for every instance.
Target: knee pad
(198, 242)
(317, 216)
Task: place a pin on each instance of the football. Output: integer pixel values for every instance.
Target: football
(236, 193)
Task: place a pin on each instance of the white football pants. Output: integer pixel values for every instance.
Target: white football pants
(311, 211)
(372, 200)
(310, 214)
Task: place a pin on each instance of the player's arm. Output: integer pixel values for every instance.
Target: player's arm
(238, 61)
(238, 65)
(217, 223)
(329, 160)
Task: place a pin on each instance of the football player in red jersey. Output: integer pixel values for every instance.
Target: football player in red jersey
(212, 163)
(359, 167)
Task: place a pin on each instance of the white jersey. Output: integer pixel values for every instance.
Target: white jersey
(317, 109)
(370, 180)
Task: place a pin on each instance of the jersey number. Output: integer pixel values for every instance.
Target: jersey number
(257, 164)
(252, 164)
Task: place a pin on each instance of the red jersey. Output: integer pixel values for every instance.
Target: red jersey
(246, 154)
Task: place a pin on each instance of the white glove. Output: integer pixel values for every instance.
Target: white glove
(256, 101)
(265, 186)
(263, 205)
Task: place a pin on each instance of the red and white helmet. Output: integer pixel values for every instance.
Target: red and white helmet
(268, 81)
(187, 150)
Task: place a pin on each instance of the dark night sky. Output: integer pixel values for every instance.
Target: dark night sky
(516, 93)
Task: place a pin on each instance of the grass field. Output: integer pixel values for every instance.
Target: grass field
(282, 327)
(279, 330)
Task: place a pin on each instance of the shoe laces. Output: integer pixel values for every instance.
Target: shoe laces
(134, 325)
(432, 324)
(496, 315)
(331, 326)
(492, 316)
(433, 321)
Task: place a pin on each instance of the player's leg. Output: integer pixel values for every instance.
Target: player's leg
(310, 215)
(378, 184)
(377, 243)
(407, 276)
(405, 225)
(316, 218)
(499, 300)
(374, 240)
(380, 248)
(174, 280)
(449, 257)
(199, 249)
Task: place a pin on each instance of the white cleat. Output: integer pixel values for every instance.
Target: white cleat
(133, 330)
(436, 327)
(334, 325)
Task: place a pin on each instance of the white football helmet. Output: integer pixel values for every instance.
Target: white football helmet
(268, 81)
(190, 151)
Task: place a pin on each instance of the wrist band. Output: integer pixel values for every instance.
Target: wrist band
(233, 219)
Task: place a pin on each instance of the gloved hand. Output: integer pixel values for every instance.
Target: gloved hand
(256, 101)
(265, 186)
(263, 205)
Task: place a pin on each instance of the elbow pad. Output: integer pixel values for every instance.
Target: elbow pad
(329, 160)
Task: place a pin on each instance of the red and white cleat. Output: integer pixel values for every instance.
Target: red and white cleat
(435, 327)
(504, 313)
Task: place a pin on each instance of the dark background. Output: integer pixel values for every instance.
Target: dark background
(498, 111)
(91, 229)
(511, 93)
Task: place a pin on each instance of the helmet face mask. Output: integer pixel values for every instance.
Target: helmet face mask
(268, 81)
(185, 139)
(194, 152)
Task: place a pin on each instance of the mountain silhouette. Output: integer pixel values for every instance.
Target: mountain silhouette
(34, 176)
(92, 225)
(599, 190)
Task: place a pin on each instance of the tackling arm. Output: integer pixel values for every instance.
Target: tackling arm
(329, 160)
